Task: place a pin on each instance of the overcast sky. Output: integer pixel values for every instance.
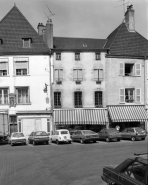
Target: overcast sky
(80, 18)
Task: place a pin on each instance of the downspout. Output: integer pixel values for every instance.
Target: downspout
(145, 88)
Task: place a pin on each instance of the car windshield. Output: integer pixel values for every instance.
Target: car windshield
(17, 135)
(41, 134)
(64, 132)
(88, 132)
(139, 129)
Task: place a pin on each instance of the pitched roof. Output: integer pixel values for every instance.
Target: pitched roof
(13, 27)
(78, 43)
(122, 42)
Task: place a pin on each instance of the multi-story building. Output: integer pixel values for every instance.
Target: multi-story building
(126, 74)
(24, 58)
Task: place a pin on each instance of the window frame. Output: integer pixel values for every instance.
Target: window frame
(98, 75)
(58, 56)
(97, 103)
(78, 99)
(20, 60)
(78, 79)
(58, 79)
(98, 56)
(26, 45)
(2, 96)
(58, 100)
(17, 96)
(6, 68)
(77, 56)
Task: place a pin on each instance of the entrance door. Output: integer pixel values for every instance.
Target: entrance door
(13, 128)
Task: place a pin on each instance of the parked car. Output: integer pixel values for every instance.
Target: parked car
(109, 134)
(17, 138)
(132, 171)
(38, 137)
(61, 135)
(84, 136)
(134, 133)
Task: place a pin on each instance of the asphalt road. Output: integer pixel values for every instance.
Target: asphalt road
(65, 164)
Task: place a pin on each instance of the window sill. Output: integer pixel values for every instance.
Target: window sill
(20, 75)
(5, 76)
(23, 104)
(58, 107)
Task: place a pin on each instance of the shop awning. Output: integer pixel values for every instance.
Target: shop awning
(129, 113)
(81, 116)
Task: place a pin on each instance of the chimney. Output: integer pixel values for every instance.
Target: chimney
(129, 18)
(49, 33)
(40, 28)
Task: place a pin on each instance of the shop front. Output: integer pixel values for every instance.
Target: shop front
(124, 116)
(89, 119)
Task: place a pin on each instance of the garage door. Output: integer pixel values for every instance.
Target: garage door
(31, 125)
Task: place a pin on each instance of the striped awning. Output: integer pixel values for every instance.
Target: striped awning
(81, 116)
(129, 113)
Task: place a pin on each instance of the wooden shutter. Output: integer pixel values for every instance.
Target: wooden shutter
(60, 74)
(56, 74)
(121, 69)
(122, 95)
(100, 74)
(138, 95)
(138, 69)
(95, 74)
(80, 76)
(75, 74)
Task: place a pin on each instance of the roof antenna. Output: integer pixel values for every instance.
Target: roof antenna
(123, 3)
(48, 16)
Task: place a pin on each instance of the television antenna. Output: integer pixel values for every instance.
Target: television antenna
(51, 14)
(124, 2)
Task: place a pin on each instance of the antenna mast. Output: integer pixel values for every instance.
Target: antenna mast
(123, 3)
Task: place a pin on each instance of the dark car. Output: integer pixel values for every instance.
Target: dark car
(38, 137)
(109, 134)
(84, 136)
(134, 133)
(132, 171)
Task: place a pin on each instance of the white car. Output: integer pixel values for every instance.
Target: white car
(17, 138)
(61, 135)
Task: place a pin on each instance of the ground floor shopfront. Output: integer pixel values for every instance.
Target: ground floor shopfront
(124, 116)
(82, 118)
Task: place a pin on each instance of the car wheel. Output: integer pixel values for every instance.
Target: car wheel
(57, 142)
(118, 139)
(107, 139)
(47, 142)
(81, 141)
(69, 142)
(142, 138)
(33, 142)
(11, 144)
(94, 141)
(133, 138)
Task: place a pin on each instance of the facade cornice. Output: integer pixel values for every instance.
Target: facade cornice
(126, 56)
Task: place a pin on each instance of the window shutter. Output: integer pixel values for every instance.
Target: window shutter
(56, 74)
(96, 74)
(101, 74)
(122, 95)
(3, 65)
(121, 69)
(138, 95)
(60, 74)
(138, 69)
(75, 74)
(80, 76)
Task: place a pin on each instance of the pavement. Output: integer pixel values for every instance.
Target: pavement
(64, 164)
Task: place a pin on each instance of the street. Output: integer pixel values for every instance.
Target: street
(64, 164)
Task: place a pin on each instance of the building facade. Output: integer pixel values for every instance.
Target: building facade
(24, 71)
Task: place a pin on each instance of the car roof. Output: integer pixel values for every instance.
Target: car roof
(62, 130)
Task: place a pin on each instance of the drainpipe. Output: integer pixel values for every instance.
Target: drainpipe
(145, 88)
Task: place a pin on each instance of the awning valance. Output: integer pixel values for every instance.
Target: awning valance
(127, 113)
(81, 116)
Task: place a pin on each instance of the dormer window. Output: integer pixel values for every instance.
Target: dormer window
(27, 42)
(98, 56)
(77, 56)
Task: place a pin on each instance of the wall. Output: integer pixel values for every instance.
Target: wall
(88, 86)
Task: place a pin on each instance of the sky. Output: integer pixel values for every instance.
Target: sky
(80, 18)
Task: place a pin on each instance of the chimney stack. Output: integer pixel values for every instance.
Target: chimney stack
(40, 28)
(129, 18)
(49, 33)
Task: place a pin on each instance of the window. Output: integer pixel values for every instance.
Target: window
(22, 95)
(77, 75)
(58, 56)
(78, 99)
(26, 43)
(4, 96)
(98, 74)
(130, 95)
(98, 99)
(3, 67)
(58, 75)
(126, 69)
(98, 56)
(77, 56)
(57, 99)
(21, 66)
(137, 171)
